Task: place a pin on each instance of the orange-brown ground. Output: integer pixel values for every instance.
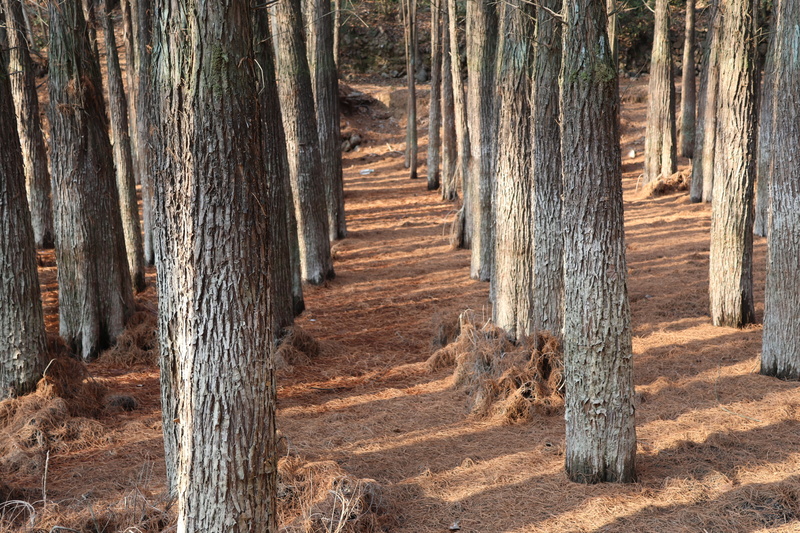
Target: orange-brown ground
(719, 445)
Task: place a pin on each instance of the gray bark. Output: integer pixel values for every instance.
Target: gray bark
(688, 86)
(765, 148)
(29, 126)
(449, 150)
(435, 109)
(660, 146)
(300, 126)
(600, 431)
(780, 356)
(129, 41)
(409, 8)
(213, 270)
(123, 159)
(22, 335)
(731, 255)
(95, 296)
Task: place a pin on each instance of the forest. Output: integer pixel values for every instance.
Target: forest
(361, 266)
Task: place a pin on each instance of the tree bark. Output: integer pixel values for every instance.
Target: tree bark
(29, 126)
(409, 8)
(22, 335)
(688, 86)
(435, 109)
(765, 148)
(123, 160)
(325, 80)
(601, 436)
(660, 147)
(780, 356)
(482, 34)
(213, 269)
(731, 255)
(611, 9)
(548, 288)
(514, 251)
(129, 41)
(300, 126)
(95, 296)
(449, 150)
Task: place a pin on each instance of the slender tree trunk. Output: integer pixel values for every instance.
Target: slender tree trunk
(22, 336)
(514, 254)
(601, 436)
(337, 30)
(766, 140)
(660, 147)
(731, 256)
(325, 80)
(300, 125)
(482, 34)
(611, 9)
(215, 310)
(95, 297)
(548, 289)
(129, 40)
(688, 86)
(123, 160)
(449, 150)
(29, 126)
(410, 33)
(435, 109)
(780, 356)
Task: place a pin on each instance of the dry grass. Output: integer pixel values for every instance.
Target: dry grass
(138, 344)
(677, 182)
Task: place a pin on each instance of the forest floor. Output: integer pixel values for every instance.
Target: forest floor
(718, 444)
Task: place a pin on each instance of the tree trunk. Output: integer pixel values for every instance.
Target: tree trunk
(435, 109)
(409, 8)
(548, 289)
(765, 148)
(731, 256)
(780, 356)
(95, 297)
(123, 160)
(660, 147)
(611, 9)
(29, 126)
(129, 41)
(325, 80)
(300, 125)
(449, 151)
(601, 436)
(213, 269)
(337, 30)
(514, 254)
(706, 133)
(22, 336)
(688, 86)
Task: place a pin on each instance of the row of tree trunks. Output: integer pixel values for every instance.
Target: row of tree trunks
(688, 85)
(26, 104)
(449, 133)
(435, 111)
(22, 335)
(409, 9)
(215, 322)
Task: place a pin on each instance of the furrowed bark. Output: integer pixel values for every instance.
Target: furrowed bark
(435, 110)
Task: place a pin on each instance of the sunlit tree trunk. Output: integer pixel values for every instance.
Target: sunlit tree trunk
(611, 9)
(688, 86)
(449, 141)
(409, 8)
(766, 140)
(435, 109)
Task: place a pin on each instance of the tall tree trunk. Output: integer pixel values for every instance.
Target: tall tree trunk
(325, 80)
(514, 254)
(611, 9)
(548, 289)
(780, 356)
(660, 147)
(123, 160)
(22, 337)
(482, 34)
(731, 256)
(29, 126)
(462, 166)
(765, 148)
(300, 125)
(337, 30)
(409, 8)
(435, 109)
(601, 436)
(688, 86)
(129, 41)
(95, 296)
(213, 269)
(706, 132)
(449, 150)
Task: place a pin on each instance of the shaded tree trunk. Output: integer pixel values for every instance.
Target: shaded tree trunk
(409, 8)
(780, 356)
(660, 147)
(129, 41)
(601, 436)
(123, 160)
(766, 140)
(22, 336)
(688, 86)
(449, 141)
(435, 109)
(325, 80)
(218, 383)
(731, 255)
(95, 296)
(300, 126)
(29, 126)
